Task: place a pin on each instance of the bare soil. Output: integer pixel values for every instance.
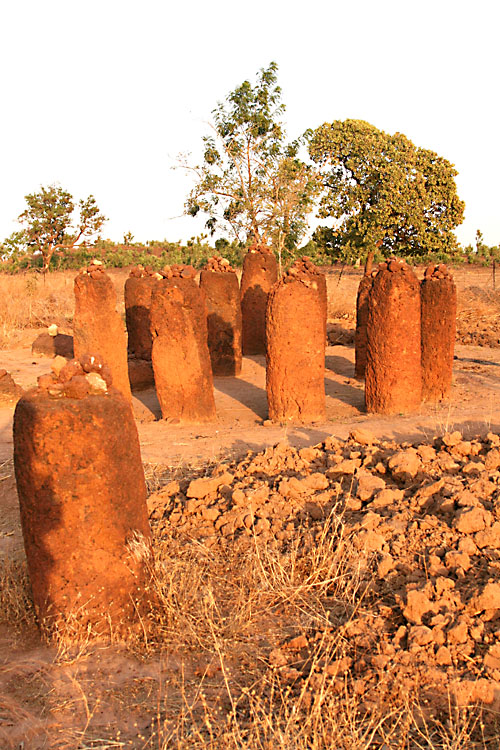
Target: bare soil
(344, 595)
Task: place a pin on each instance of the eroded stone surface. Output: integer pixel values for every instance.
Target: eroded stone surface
(260, 272)
(83, 505)
(393, 376)
(295, 351)
(224, 322)
(97, 326)
(181, 362)
(439, 311)
(360, 339)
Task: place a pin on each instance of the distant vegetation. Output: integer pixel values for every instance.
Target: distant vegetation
(380, 194)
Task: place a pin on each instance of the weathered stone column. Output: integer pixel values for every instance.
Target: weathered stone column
(97, 326)
(439, 313)
(393, 378)
(306, 268)
(260, 272)
(181, 361)
(194, 300)
(295, 375)
(138, 289)
(220, 284)
(360, 340)
(82, 498)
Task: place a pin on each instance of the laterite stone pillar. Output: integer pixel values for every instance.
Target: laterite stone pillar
(97, 326)
(360, 339)
(138, 289)
(295, 375)
(82, 498)
(439, 312)
(260, 272)
(183, 277)
(304, 267)
(220, 284)
(181, 362)
(393, 378)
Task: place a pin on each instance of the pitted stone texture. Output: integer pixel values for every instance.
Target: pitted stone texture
(393, 377)
(83, 509)
(295, 353)
(360, 340)
(138, 292)
(181, 361)
(98, 328)
(260, 272)
(224, 321)
(439, 312)
(195, 303)
(305, 268)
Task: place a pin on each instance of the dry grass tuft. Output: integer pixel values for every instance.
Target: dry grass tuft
(16, 607)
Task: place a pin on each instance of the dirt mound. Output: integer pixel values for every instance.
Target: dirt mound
(9, 390)
(418, 520)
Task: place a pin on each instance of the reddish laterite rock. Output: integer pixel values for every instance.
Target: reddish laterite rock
(260, 272)
(181, 362)
(97, 326)
(439, 313)
(360, 339)
(393, 378)
(138, 289)
(223, 317)
(82, 499)
(305, 268)
(295, 351)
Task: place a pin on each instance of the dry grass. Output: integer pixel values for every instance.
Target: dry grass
(29, 301)
(219, 614)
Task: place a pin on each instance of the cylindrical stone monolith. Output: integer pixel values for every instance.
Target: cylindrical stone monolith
(360, 340)
(393, 377)
(97, 326)
(82, 498)
(181, 362)
(295, 375)
(439, 312)
(138, 290)
(306, 268)
(223, 320)
(260, 272)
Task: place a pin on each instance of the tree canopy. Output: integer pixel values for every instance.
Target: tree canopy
(252, 181)
(49, 224)
(383, 192)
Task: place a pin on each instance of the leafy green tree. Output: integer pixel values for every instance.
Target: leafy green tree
(383, 192)
(251, 181)
(49, 224)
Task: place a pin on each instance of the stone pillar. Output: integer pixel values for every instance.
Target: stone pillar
(360, 340)
(439, 312)
(260, 272)
(97, 326)
(194, 300)
(181, 361)
(138, 289)
(82, 498)
(393, 377)
(220, 284)
(295, 375)
(306, 268)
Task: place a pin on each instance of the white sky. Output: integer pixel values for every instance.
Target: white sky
(100, 96)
